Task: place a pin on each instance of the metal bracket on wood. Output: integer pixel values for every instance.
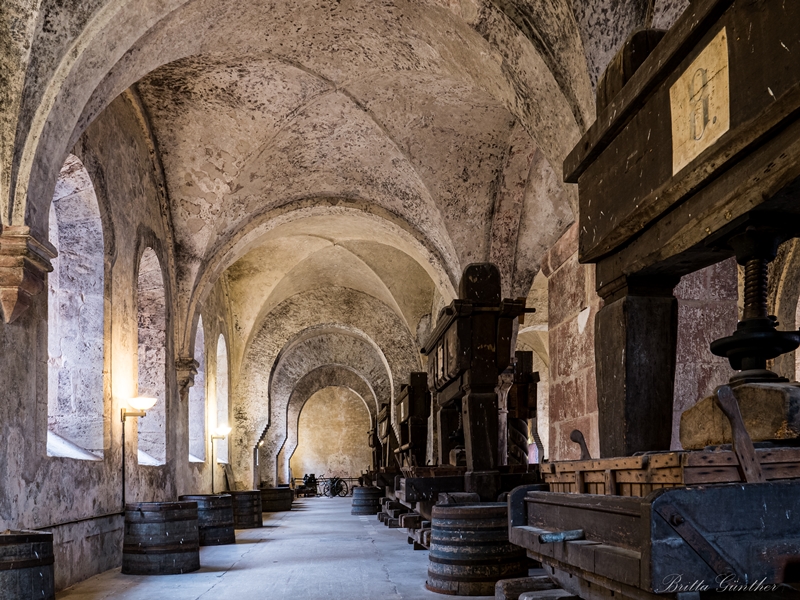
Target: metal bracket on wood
(696, 541)
(561, 536)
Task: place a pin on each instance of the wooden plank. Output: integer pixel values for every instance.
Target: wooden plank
(581, 554)
(580, 488)
(673, 475)
(618, 564)
(594, 476)
(730, 474)
(610, 482)
(631, 462)
(742, 444)
(664, 460)
(695, 476)
(765, 456)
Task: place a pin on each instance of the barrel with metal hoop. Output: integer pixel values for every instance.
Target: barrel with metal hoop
(276, 499)
(26, 565)
(214, 518)
(161, 538)
(366, 501)
(470, 551)
(247, 509)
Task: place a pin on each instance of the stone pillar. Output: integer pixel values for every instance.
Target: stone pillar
(504, 383)
(636, 335)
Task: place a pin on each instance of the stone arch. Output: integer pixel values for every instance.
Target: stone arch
(307, 386)
(76, 318)
(784, 301)
(534, 336)
(339, 308)
(152, 357)
(313, 349)
(439, 262)
(332, 435)
(198, 399)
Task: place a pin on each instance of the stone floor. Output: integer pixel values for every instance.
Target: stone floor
(316, 551)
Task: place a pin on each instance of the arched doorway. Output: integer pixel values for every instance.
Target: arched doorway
(332, 435)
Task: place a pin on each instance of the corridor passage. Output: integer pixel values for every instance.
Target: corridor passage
(317, 551)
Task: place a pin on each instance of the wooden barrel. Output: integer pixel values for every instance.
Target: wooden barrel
(470, 551)
(161, 538)
(214, 518)
(366, 501)
(26, 566)
(276, 499)
(247, 509)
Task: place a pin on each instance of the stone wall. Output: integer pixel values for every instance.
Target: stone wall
(707, 310)
(215, 323)
(332, 435)
(572, 305)
(54, 492)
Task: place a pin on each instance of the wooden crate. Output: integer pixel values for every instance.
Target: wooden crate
(640, 475)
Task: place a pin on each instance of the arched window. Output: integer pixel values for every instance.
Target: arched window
(75, 319)
(197, 400)
(222, 397)
(152, 319)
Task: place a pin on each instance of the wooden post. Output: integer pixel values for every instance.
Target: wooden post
(635, 344)
(448, 422)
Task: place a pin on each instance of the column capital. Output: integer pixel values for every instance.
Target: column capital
(186, 368)
(24, 264)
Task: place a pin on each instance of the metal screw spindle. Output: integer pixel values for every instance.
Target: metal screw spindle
(755, 288)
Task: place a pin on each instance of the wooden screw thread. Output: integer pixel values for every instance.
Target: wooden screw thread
(755, 288)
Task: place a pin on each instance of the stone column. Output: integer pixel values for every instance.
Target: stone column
(504, 383)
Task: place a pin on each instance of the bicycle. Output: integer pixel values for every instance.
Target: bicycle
(335, 486)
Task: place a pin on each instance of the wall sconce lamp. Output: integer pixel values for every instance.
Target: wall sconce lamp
(139, 405)
(220, 433)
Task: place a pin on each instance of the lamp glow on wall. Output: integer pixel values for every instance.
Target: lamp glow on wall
(139, 407)
(220, 433)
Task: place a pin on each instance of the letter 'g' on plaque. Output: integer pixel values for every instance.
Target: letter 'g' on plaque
(700, 103)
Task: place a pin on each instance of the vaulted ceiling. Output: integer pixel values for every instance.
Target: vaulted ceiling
(334, 164)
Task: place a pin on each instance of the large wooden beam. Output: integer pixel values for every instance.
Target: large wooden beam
(636, 339)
